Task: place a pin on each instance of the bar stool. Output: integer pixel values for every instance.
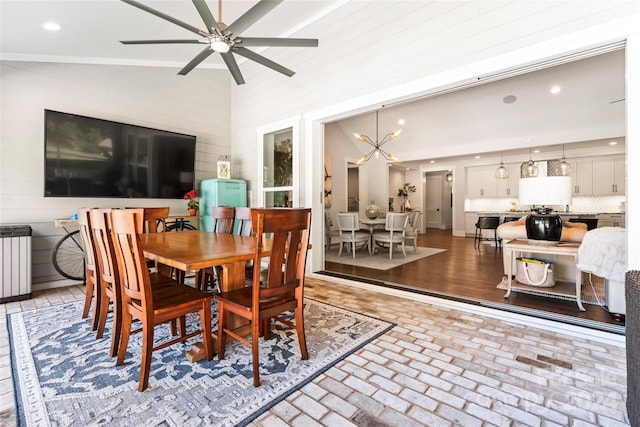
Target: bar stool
(487, 223)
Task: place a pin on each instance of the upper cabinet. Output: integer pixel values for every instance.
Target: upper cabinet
(481, 182)
(508, 187)
(610, 173)
(582, 177)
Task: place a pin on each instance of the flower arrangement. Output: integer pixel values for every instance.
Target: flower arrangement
(406, 190)
(193, 199)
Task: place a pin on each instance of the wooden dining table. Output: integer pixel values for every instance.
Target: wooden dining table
(197, 250)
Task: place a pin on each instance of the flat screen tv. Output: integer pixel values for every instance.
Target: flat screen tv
(88, 157)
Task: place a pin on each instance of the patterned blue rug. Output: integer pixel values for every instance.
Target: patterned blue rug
(64, 376)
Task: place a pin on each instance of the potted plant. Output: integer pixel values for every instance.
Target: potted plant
(404, 192)
(193, 202)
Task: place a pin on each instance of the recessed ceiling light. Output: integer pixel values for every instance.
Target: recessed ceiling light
(401, 122)
(555, 89)
(407, 169)
(536, 151)
(51, 26)
(477, 157)
(509, 99)
(432, 161)
(613, 143)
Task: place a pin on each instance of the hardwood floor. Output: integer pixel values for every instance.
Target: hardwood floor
(469, 274)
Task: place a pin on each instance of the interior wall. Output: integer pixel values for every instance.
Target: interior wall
(330, 82)
(152, 97)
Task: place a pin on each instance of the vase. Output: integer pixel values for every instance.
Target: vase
(372, 211)
(407, 205)
(193, 211)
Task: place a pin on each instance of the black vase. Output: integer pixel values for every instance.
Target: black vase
(544, 225)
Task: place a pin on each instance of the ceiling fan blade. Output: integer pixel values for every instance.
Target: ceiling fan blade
(162, 41)
(232, 65)
(165, 17)
(206, 15)
(262, 60)
(252, 15)
(195, 61)
(274, 41)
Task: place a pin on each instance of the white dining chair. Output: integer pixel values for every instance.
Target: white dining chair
(394, 232)
(413, 229)
(350, 233)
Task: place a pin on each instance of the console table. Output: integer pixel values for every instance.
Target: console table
(517, 247)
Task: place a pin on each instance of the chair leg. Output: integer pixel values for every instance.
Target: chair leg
(147, 349)
(116, 330)
(415, 244)
(353, 250)
(124, 340)
(340, 250)
(88, 295)
(390, 250)
(299, 319)
(222, 320)
(103, 311)
(255, 351)
(403, 249)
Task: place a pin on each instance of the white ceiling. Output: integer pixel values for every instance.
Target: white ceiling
(91, 29)
(475, 120)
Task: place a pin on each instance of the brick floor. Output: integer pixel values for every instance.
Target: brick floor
(437, 367)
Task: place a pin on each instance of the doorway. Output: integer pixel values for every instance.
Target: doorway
(438, 199)
(353, 187)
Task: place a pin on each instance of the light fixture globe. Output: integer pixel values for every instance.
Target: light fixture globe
(530, 169)
(565, 168)
(502, 172)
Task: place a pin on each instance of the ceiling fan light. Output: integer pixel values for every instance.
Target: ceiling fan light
(220, 45)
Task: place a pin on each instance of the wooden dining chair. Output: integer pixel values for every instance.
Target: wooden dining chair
(91, 268)
(155, 221)
(223, 219)
(223, 222)
(283, 289)
(243, 221)
(152, 306)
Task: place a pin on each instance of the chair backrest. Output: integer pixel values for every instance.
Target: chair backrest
(223, 219)
(243, 221)
(87, 241)
(414, 221)
(488, 222)
(396, 222)
(134, 275)
(155, 219)
(348, 221)
(289, 230)
(105, 253)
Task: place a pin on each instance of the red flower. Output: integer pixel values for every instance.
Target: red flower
(191, 195)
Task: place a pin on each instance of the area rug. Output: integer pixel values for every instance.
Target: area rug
(592, 290)
(380, 260)
(64, 376)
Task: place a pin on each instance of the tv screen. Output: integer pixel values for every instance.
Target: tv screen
(88, 157)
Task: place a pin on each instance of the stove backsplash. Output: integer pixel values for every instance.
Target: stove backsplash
(583, 204)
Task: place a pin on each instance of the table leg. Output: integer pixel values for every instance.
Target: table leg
(509, 273)
(578, 285)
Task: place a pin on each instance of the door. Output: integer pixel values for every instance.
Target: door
(433, 201)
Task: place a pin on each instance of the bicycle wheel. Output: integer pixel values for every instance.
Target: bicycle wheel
(176, 226)
(68, 257)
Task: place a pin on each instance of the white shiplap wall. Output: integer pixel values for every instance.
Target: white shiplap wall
(371, 53)
(197, 104)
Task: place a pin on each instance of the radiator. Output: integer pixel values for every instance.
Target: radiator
(15, 263)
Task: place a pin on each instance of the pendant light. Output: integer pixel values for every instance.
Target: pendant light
(502, 172)
(530, 168)
(565, 167)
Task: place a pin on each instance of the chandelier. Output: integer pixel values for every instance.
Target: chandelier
(377, 145)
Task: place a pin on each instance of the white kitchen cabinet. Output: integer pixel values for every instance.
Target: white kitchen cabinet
(611, 220)
(481, 182)
(582, 176)
(508, 187)
(609, 176)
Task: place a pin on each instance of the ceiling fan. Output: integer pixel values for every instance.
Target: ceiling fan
(226, 40)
